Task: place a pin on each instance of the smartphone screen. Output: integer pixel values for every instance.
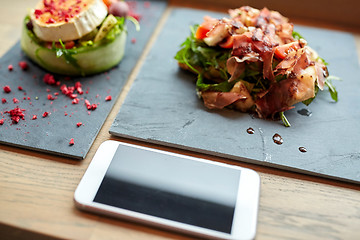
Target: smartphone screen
(171, 187)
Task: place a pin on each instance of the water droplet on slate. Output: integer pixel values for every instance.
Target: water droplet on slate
(304, 112)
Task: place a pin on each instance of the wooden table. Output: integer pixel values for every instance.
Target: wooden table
(36, 190)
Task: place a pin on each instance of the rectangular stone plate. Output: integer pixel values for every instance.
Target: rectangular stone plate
(52, 134)
(162, 107)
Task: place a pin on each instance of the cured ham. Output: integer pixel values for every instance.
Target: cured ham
(260, 65)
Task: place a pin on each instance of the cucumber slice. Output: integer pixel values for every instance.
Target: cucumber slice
(89, 59)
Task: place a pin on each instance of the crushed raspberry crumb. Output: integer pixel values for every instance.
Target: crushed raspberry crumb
(1, 121)
(80, 91)
(23, 65)
(45, 114)
(20, 88)
(71, 142)
(75, 101)
(16, 114)
(87, 104)
(7, 89)
(78, 124)
(133, 40)
(50, 20)
(15, 100)
(3, 100)
(78, 84)
(49, 79)
(90, 106)
(72, 96)
(38, 12)
(34, 117)
(10, 67)
(50, 97)
(108, 98)
(64, 89)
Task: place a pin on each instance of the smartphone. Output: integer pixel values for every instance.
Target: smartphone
(177, 192)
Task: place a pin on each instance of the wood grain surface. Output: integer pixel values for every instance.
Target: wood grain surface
(36, 190)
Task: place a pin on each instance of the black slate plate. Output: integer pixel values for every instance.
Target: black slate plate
(162, 107)
(53, 133)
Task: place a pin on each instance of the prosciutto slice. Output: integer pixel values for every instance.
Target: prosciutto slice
(256, 46)
(219, 100)
(299, 86)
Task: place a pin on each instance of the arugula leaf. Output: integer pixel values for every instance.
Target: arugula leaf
(332, 90)
(297, 35)
(67, 53)
(196, 54)
(217, 87)
(284, 119)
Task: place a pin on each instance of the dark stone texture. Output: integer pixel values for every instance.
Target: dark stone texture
(162, 107)
(53, 133)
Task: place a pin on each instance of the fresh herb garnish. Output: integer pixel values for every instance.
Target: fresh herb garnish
(297, 36)
(67, 53)
(284, 119)
(332, 90)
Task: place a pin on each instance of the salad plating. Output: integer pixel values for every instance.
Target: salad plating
(253, 62)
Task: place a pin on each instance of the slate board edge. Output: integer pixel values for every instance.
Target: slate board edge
(44, 151)
(232, 157)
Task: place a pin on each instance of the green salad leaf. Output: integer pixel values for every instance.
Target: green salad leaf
(217, 87)
(297, 35)
(332, 89)
(195, 53)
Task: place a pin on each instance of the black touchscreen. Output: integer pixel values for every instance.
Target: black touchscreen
(169, 187)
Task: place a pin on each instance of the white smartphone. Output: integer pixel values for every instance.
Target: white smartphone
(191, 195)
